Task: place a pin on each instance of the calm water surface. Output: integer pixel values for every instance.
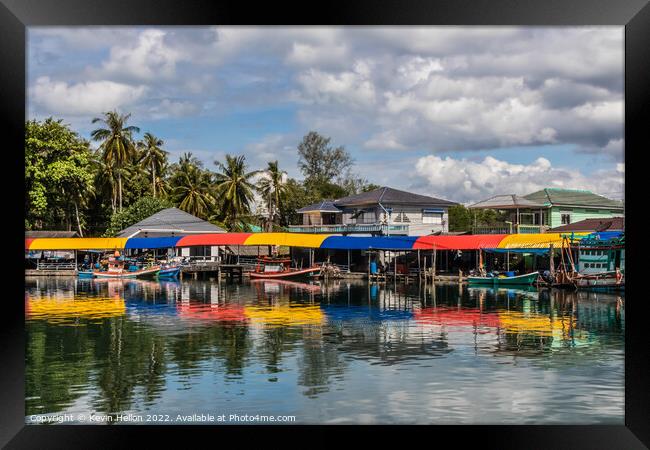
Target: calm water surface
(345, 352)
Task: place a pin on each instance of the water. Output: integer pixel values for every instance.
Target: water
(345, 352)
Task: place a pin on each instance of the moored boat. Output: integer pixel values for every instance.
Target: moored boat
(601, 262)
(525, 279)
(169, 272)
(116, 269)
(274, 268)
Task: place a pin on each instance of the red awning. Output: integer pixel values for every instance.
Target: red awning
(213, 239)
(462, 242)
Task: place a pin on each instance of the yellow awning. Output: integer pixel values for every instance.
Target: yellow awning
(543, 240)
(77, 244)
(287, 239)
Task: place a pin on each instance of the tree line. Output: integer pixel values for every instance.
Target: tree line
(71, 186)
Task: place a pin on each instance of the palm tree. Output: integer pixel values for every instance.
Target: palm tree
(106, 179)
(235, 189)
(152, 156)
(117, 142)
(272, 187)
(192, 191)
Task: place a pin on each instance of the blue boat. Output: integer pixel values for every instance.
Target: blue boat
(169, 272)
(85, 274)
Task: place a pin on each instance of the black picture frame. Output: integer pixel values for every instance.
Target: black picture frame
(16, 15)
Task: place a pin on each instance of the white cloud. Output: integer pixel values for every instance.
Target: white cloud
(147, 58)
(465, 180)
(88, 98)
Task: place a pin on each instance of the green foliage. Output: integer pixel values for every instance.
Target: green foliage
(234, 190)
(58, 174)
(463, 219)
(319, 162)
(140, 210)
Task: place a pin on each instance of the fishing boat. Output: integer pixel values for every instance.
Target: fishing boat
(169, 271)
(601, 262)
(278, 268)
(85, 274)
(116, 269)
(526, 279)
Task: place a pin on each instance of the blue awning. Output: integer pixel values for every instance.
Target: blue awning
(367, 243)
(153, 242)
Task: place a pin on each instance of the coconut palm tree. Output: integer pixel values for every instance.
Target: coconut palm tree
(192, 191)
(234, 188)
(116, 143)
(272, 187)
(152, 156)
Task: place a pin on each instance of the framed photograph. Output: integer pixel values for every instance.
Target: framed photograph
(384, 215)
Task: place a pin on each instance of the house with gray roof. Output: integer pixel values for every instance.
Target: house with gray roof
(170, 222)
(383, 211)
(547, 208)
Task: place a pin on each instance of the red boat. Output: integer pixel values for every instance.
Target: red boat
(274, 268)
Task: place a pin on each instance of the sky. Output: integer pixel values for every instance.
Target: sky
(459, 113)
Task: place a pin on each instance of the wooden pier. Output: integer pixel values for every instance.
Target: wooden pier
(216, 270)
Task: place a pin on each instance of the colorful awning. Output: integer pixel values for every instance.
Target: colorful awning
(322, 241)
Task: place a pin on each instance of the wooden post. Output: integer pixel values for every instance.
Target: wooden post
(395, 265)
(551, 262)
(348, 260)
(419, 269)
(435, 253)
(508, 261)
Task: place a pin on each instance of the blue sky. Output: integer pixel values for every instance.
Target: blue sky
(460, 113)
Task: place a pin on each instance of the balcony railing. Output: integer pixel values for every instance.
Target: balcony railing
(356, 228)
(509, 229)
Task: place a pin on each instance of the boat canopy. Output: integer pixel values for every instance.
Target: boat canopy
(322, 241)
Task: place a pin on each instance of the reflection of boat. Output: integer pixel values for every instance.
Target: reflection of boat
(116, 269)
(302, 286)
(274, 268)
(455, 317)
(212, 312)
(526, 279)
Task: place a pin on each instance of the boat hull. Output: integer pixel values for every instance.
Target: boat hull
(125, 274)
(169, 273)
(526, 279)
(603, 282)
(86, 274)
(284, 274)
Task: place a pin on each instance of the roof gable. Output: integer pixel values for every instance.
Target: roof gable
(389, 195)
(172, 219)
(572, 197)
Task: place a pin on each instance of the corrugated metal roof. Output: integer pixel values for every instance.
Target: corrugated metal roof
(599, 224)
(508, 201)
(389, 195)
(572, 197)
(51, 234)
(323, 206)
(172, 219)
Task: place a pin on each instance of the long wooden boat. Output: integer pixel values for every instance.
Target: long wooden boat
(142, 273)
(169, 272)
(525, 279)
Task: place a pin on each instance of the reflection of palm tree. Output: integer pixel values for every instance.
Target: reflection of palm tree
(117, 142)
(153, 157)
(272, 187)
(235, 189)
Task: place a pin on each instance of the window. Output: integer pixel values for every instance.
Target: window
(432, 217)
(566, 219)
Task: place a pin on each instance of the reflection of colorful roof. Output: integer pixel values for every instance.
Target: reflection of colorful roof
(64, 310)
(212, 312)
(455, 317)
(345, 313)
(324, 241)
(285, 315)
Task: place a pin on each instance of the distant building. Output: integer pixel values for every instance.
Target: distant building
(175, 222)
(547, 209)
(383, 211)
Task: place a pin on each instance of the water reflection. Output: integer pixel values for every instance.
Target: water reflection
(343, 351)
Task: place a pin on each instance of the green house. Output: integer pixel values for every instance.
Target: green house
(566, 206)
